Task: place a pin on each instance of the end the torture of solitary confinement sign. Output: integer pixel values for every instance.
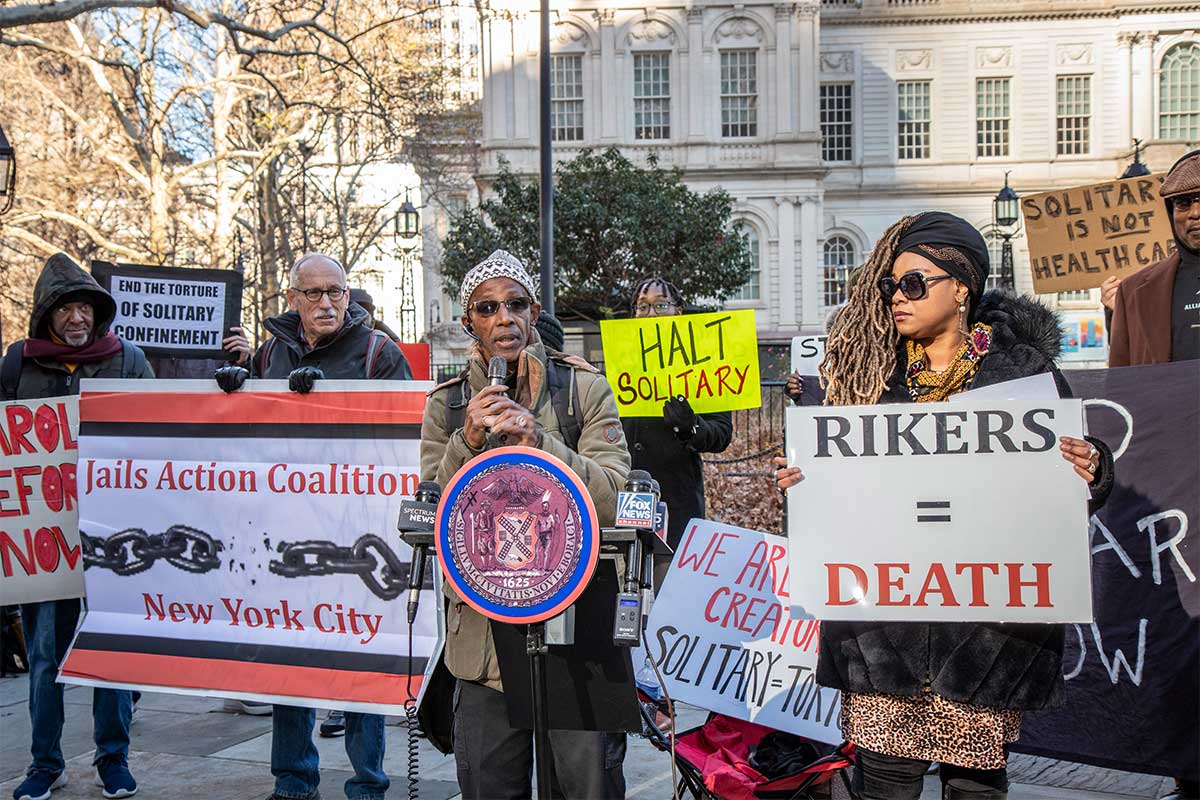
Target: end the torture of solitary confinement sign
(173, 311)
(1080, 237)
(973, 514)
(710, 359)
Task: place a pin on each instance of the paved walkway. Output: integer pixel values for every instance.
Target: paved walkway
(187, 747)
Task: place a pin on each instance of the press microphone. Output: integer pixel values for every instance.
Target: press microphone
(636, 505)
(418, 516)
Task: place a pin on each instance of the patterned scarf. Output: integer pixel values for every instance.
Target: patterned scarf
(927, 386)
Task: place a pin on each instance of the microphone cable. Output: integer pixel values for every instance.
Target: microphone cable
(670, 712)
(413, 755)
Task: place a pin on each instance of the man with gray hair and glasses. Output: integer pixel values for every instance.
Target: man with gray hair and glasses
(323, 336)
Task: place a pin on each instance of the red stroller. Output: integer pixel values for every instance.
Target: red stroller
(713, 763)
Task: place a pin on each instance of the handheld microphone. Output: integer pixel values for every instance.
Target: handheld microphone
(497, 372)
(417, 519)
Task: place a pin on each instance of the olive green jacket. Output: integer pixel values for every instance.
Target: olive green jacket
(602, 463)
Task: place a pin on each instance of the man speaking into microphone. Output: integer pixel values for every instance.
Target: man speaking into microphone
(547, 400)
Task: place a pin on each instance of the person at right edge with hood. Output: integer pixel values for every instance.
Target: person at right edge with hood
(918, 327)
(1156, 311)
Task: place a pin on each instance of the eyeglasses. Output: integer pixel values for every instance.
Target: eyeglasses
(1184, 202)
(488, 308)
(314, 295)
(658, 308)
(914, 285)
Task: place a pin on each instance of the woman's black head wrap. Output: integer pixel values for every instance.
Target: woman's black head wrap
(953, 244)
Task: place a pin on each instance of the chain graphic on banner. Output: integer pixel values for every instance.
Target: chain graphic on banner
(132, 550)
(369, 558)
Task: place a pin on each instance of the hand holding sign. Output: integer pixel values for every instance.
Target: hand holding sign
(237, 345)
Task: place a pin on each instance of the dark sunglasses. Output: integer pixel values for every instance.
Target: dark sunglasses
(1184, 202)
(913, 285)
(488, 308)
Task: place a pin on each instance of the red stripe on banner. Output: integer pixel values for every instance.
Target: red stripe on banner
(239, 676)
(370, 408)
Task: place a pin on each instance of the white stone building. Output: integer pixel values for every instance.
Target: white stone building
(828, 122)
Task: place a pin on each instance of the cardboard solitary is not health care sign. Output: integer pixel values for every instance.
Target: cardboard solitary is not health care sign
(1080, 237)
(173, 311)
(711, 359)
(39, 519)
(957, 513)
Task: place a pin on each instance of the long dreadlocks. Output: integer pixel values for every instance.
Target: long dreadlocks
(860, 351)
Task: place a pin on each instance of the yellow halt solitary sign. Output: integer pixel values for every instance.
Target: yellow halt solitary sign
(711, 359)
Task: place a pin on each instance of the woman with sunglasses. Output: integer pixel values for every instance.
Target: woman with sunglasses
(918, 328)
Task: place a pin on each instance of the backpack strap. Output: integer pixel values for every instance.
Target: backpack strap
(456, 404)
(10, 373)
(564, 399)
(375, 345)
(264, 358)
(133, 360)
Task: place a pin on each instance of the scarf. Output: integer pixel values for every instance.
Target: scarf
(101, 349)
(927, 386)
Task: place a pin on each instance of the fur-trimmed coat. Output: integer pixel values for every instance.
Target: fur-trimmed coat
(986, 664)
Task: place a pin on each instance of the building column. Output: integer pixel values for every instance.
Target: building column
(811, 261)
(787, 262)
(1125, 86)
(606, 83)
(1143, 86)
(695, 74)
(807, 40)
(784, 87)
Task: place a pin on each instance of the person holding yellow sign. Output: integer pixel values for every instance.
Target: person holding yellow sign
(669, 446)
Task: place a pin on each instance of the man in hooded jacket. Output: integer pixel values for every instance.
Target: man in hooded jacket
(1156, 312)
(69, 339)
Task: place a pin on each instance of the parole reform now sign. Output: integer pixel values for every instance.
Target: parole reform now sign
(910, 512)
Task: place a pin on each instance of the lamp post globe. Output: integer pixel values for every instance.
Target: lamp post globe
(408, 221)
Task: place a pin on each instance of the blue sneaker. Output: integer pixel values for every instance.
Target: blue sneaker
(38, 785)
(113, 775)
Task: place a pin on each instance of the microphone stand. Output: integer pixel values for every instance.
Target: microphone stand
(535, 648)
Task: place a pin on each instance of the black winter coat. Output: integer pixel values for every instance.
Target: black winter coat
(675, 464)
(342, 357)
(1015, 666)
(43, 377)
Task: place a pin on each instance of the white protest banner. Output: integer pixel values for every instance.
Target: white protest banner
(173, 311)
(807, 354)
(245, 545)
(39, 519)
(725, 636)
(938, 513)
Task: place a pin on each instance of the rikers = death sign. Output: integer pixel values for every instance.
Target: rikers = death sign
(963, 513)
(710, 359)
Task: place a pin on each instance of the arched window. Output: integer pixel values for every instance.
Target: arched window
(1179, 93)
(752, 288)
(840, 258)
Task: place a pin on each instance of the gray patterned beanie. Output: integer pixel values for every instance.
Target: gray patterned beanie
(500, 264)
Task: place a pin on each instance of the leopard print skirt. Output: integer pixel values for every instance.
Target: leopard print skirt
(930, 728)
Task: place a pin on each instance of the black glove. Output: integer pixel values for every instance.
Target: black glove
(679, 415)
(230, 377)
(301, 379)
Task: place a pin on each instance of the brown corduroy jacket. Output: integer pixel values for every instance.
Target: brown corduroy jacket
(1141, 323)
